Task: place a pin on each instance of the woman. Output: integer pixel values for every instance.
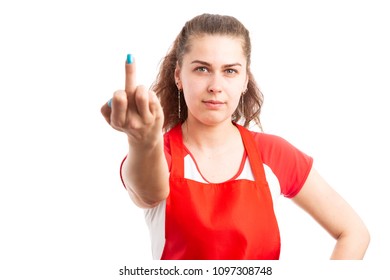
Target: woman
(199, 173)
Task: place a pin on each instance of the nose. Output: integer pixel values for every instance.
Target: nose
(215, 84)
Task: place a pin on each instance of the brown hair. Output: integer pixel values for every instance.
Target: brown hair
(165, 86)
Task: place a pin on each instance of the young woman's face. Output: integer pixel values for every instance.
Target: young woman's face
(213, 76)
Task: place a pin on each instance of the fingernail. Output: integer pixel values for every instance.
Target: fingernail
(129, 59)
(109, 103)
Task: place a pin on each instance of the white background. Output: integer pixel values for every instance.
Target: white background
(323, 68)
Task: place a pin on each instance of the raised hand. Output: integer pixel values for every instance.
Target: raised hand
(136, 110)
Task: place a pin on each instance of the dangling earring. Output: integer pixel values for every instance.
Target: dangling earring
(178, 102)
(242, 102)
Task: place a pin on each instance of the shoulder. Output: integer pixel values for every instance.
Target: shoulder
(290, 165)
(273, 145)
(267, 138)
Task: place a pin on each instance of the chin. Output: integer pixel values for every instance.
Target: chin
(215, 121)
(210, 118)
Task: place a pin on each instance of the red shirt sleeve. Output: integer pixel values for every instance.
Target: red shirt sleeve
(289, 164)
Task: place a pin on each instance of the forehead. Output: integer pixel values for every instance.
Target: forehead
(215, 49)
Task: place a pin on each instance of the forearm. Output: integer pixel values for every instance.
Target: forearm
(145, 174)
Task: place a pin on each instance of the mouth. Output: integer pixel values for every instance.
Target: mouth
(213, 104)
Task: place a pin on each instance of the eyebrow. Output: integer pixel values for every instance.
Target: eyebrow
(208, 64)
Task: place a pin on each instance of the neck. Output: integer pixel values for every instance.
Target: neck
(208, 136)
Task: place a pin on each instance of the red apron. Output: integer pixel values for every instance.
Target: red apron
(225, 221)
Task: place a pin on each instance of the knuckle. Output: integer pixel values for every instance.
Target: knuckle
(119, 97)
(133, 124)
(141, 97)
(115, 123)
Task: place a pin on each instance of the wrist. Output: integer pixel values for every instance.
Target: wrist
(145, 144)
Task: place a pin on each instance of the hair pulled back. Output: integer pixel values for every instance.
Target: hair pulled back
(166, 89)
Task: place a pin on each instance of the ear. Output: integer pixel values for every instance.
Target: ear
(177, 76)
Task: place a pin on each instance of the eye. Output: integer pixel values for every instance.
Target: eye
(231, 71)
(201, 69)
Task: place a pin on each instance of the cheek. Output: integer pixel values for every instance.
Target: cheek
(190, 98)
(237, 98)
(188, 93)
(235, 102)
(192, 90)
(235, 93)
(194, 85)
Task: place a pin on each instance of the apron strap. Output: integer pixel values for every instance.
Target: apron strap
(256, 165)
(253, 154)
(177, 152)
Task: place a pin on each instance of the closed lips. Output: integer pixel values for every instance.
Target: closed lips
(213, 102)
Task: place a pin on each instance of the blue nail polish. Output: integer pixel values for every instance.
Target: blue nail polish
(129, 59)
(109, 103)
